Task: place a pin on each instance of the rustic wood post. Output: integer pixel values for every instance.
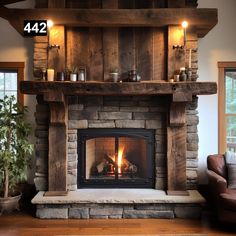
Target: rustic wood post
(57, 138)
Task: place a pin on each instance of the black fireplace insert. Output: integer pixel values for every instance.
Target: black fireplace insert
(115, 158)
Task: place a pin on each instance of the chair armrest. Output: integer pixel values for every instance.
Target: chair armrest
(217, 183)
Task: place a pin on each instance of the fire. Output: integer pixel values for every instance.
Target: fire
(119, 159)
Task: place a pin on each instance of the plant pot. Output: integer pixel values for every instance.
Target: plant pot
(10, 204)
(73, 77)
(114, 77)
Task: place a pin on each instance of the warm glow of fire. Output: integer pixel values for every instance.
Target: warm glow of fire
(120, 157)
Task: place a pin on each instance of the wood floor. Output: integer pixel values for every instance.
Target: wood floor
(24, 224)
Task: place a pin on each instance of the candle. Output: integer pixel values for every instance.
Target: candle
(190, 59)
(50, 74)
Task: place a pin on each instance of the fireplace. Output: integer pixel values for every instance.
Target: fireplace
(116, 158)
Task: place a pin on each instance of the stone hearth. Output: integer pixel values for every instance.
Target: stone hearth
(119, 203)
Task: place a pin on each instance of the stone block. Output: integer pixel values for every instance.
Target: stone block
(72, 187)
(101, 124)
(130, 124)
(114, 216)
(40, 55)
(158, 207)
(72, 145)
(191, 112)
(187, 212)
(76, 107)
(192, 163)
(52, 213)
(40, 63)
(191, 174)
(146, 115)
(72, 157)
(106, 211)
(72, 177)
(128, 103)
(192, 154)
(115, 115)
(72, 131)
(72, 137)
(192, 129)
(83, 115)
(72, 165)
(192, 137)
(91, 100)
(193, 146)
(41, 183)
(72, 151)
(79, 213)
(134, 109)
(40, 39)
(153, 124)
(160, 183)
(78, 124)
(192, 120)
(40, 46)
(41, 133)
(92, 109)
(110, 108)
(41, 165)
(158, 109)
(144, 214)
(41, 153)
(160, 160)
(161, 131)
(160, 147)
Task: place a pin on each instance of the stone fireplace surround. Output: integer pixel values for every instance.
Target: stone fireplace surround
(116, 112)
(145, 112)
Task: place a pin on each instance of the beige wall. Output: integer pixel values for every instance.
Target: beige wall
(218, 45)
(14, 47)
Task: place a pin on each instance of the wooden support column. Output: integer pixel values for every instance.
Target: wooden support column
(57, 138)
(176, 149)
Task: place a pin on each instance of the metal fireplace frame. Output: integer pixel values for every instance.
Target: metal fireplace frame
(85, 134)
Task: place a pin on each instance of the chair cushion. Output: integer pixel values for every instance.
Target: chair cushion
(217, 164)
(231, 176)
(228, 201)
(230, 159)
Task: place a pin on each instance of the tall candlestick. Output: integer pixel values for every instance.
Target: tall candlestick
(190, 59)
(50, 74)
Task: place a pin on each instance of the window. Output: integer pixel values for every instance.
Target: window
(11, 73)
(227, 106)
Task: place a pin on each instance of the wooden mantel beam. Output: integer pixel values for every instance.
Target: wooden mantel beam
(203, 19)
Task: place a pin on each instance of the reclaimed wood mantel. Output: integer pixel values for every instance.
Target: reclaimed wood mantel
(56, 94)
(120, 89)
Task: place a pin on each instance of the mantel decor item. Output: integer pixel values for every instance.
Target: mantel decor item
(14, 153)
(50, 74)
(114, 75)
(82, 74)
(73, 71)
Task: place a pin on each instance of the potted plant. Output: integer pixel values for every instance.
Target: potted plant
(14, 152)
(114, 74)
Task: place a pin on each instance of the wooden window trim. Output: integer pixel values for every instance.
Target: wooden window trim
(19, 66)
(222, 66)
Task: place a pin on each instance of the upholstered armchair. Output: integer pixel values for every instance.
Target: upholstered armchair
(222, 195)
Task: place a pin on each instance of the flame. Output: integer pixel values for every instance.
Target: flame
(120, 157)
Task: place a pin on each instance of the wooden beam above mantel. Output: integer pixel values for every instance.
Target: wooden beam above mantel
(121, 89)
(203, 19)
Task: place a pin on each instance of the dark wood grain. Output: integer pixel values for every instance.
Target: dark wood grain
(110, 43)
(57, 138)
(176, 158)
(204, 19)
(103, 88)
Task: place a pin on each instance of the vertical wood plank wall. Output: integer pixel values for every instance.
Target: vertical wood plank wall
(101, 50)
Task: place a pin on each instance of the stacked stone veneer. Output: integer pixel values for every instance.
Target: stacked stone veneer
(117, 211)
(145, 112)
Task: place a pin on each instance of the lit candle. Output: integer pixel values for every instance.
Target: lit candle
(190, 59)
(50, 74)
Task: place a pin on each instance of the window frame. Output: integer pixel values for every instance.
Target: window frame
(222, 67)
(19, 66)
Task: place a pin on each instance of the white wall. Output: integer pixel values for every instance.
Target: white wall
(218, 45)
(15, 48)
